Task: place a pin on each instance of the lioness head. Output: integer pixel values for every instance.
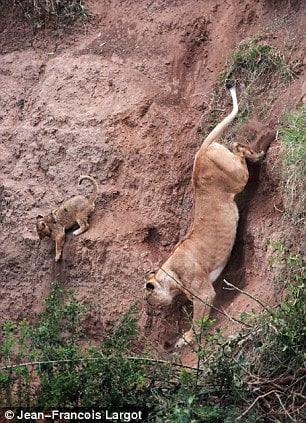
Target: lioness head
(43, 229)
(158, 292)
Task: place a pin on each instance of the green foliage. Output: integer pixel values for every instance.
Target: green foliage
(265, 360)
(193, 408)
(71, 372)
(62, 312)
(290, 324)
(292, 136)
(255, 375)
(288, 265)
(50, 364)
(290, 316)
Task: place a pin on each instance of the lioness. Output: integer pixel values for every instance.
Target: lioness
(198, 259)
(76, 210)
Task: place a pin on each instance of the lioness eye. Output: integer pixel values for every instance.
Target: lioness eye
(149, 285)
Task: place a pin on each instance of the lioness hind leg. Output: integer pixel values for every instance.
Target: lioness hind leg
(247, 152)
(83, 226)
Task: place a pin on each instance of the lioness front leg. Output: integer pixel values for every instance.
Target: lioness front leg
(201, 309)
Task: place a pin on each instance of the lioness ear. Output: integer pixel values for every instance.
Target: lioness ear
(39, 217)
(150, 286)
(149, 275)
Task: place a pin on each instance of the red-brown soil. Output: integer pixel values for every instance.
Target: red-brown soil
(122, 98)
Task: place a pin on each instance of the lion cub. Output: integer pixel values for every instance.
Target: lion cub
(76, 210)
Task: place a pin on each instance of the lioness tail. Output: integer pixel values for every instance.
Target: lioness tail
(95, 192)
(217, 131)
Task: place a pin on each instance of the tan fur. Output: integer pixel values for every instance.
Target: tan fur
(76, 210)
(197, 260)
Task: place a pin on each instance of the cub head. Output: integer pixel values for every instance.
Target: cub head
(42, 228)
(157, 294)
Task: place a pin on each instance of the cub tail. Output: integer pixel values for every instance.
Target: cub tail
(95, 192)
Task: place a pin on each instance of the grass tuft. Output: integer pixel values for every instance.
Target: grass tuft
(256, 64)
(292, 136)
(42, 10)
(256, 67)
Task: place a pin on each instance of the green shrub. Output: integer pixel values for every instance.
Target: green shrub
(265, 360)
(287, 266)
(255, 375)
(70, 371)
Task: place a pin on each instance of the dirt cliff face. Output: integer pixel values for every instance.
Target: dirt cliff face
(122, 99)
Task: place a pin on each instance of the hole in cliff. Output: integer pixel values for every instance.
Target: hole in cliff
(152, 234)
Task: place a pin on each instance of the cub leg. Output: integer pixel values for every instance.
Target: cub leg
(83, 226)
(200, 310)
(59, 244)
